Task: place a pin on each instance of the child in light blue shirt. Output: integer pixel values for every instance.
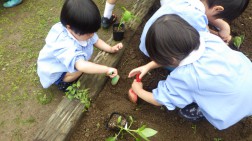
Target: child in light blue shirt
(207, 72)
(199, 13)
(69, 46)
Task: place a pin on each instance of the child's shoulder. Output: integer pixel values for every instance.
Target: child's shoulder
(57, 27)
(57, 30)
(58, 35)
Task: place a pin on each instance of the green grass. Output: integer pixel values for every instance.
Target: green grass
(23, 30)
(19, 51)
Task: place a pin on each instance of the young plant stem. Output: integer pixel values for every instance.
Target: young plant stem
(129, 131)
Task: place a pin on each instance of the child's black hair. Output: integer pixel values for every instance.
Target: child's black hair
(171, 37)
(83, 16)
(232, 8)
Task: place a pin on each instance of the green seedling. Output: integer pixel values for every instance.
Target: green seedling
(238, 40)
(126, 17)
(142, 132)
(115, 80)
(74, 92)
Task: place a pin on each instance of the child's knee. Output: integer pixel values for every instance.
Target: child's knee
(70, 77)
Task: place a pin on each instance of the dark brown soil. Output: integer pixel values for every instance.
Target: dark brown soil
(169, 125)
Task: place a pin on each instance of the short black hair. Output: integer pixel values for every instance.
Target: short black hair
(171, 37)
(232, 8)
(83, 16)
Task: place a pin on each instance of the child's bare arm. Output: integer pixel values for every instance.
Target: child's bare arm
(143, 69)
(92, 68)
(224, 29)
(137, 87)
(105, 47)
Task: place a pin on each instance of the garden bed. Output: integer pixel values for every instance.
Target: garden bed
(169, 125)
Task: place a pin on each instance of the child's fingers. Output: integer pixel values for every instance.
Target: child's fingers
(141, 75)
(119, 46)
(133, 73)
(112, 72)
(113, 75)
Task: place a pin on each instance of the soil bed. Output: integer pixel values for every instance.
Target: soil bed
(169, 125)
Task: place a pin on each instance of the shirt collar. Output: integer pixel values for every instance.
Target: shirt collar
(82, 43)
(194, 55)
(197, 4)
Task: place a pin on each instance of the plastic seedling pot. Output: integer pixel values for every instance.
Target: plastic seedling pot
(118, 32)
(112, 123)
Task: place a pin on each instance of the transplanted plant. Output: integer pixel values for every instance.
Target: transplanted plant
(142, 132)
(238, 40)
(74, 92)
(126, 17)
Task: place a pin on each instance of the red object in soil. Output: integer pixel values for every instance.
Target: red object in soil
(132, 95)
(137, 78)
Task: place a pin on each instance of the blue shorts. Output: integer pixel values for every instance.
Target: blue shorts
(61, 84)
(60, 79)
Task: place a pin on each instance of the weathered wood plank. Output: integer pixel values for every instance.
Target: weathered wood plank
(68, 113)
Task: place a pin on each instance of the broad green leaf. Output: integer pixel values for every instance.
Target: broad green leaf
(69, 88)
(237, 41)
(70, 97)
(148, 132)
(137, 139)
(74, 85)
(143, 136)
(73, 92)
(78, 84)
(119, 119)
(127, 16)
(142, 128)
(87, 105)
(111, 139)
(242, 37)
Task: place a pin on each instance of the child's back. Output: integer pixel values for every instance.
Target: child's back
(215, 77)
(207, 72)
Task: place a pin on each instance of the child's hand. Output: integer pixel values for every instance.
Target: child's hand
(116, 47)
(112, 72)
(225, 35)
(136, 86)
(142, 70)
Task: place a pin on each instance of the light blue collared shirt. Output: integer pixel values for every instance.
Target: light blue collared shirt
(193, 11)
(60, 54)
(215, 77)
